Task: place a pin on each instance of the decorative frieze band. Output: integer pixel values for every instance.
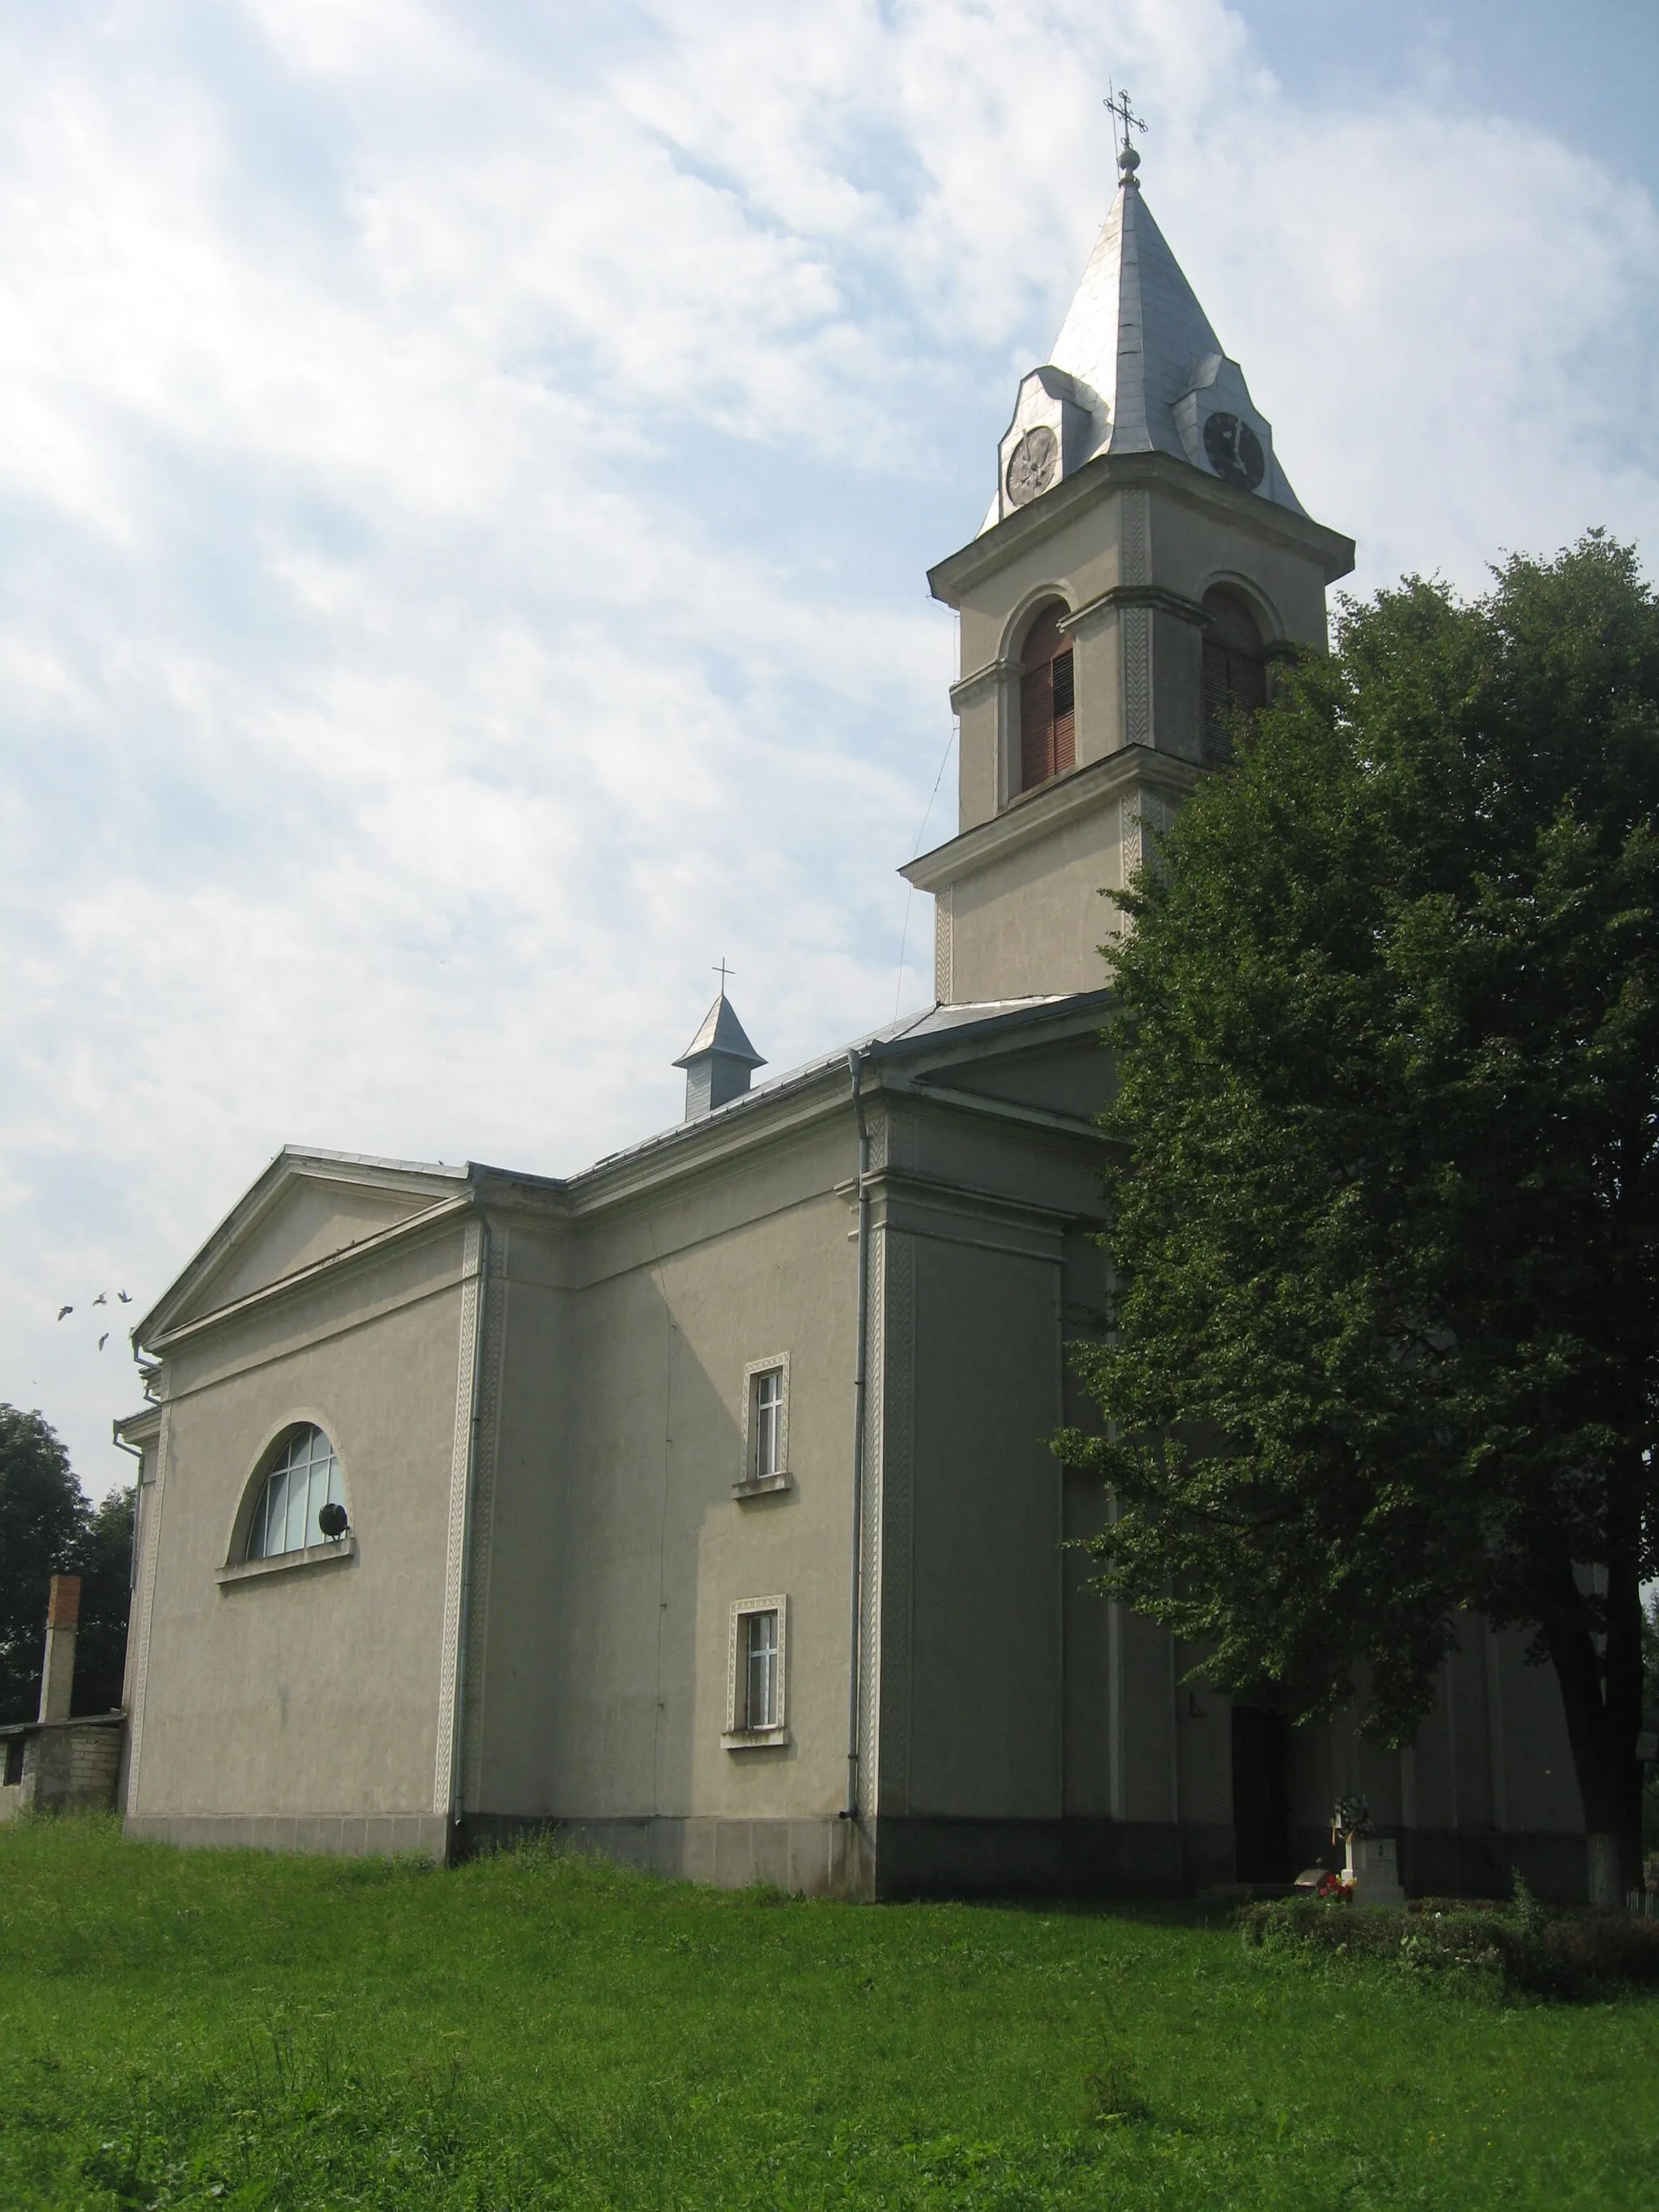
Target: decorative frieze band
(460, 1462)
(1135, 556)
(480, 1549)
(1137, 632)
(147, 1505)
(895, 1457)
(1141, 811)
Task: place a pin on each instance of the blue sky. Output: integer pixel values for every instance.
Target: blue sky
(467, 476)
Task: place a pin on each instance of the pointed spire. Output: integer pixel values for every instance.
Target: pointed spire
(719, 1061)
(1135, 332)
(1137, 368)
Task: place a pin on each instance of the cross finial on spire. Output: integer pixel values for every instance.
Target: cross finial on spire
(1124, 119)
(723, 971)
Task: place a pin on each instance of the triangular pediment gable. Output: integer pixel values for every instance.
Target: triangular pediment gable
(305, 1208)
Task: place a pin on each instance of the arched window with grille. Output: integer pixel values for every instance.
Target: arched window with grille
(1235, 668)
(1048, 701)
(302, 1479)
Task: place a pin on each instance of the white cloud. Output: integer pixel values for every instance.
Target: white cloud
(465, 476)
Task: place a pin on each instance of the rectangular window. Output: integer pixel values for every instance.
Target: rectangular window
(769, 1425)
(765, 1464)
(13, 1760)
(757, 1681)
(761, 1671)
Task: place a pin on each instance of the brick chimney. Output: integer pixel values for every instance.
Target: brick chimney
(57, 1674)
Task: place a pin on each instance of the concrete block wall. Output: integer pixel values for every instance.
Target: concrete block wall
(69, 1767)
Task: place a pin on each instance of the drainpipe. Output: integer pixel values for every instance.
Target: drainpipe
(855, 1061)
(136, 1452)
(456, 1744)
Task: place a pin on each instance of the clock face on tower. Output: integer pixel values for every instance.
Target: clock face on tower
(1235, 451)
(1032, 465)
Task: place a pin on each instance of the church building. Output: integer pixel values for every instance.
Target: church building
(700, 1503)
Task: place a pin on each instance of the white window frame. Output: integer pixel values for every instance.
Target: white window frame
(738, 1735)
(749, 1483)
(273, 1462)
(238, 1567)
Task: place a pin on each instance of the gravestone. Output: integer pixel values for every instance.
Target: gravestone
(1374, 1870)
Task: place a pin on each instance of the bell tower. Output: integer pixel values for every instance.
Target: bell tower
(1143, 564)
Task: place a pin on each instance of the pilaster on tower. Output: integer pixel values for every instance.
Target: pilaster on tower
(1143, 564)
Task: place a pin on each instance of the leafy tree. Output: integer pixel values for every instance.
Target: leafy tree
(103, 1558)
(41, 1512)
(46, 1528)
(1384, 1342)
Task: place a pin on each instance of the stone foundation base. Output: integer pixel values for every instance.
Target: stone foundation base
(919, 1855)
(334, 1834)
(1484, 1862)
(810, 1858)
(900, 1856)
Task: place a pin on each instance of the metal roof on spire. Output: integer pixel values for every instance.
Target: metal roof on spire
(1137, 368)
(719, 1061)
(722, 1032)
(1135, 332)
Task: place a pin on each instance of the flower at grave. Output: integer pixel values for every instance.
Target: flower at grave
(1351, 1816)
(1334, 1887)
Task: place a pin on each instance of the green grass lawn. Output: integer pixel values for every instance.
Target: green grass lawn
(220, 2028)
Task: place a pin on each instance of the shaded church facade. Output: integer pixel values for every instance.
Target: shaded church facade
(700, 1503)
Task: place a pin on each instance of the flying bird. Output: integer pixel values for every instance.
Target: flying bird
(102, 1298)
(61, 1310)
(103, 1339)
(125, 1299)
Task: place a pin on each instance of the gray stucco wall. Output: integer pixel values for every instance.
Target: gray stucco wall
(1016, 1732)
(617, 1547)
(311, 1690)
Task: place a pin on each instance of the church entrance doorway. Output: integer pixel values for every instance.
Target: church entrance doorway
(1261, 1797)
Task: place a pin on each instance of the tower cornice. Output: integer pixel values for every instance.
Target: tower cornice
(952, 579)
(1101, 783)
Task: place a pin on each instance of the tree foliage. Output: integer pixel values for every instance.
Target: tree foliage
(103, 1559)
(1384, 1342)
(47, 1528)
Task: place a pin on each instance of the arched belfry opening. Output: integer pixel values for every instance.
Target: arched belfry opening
(1235, 668)
(1048, 700)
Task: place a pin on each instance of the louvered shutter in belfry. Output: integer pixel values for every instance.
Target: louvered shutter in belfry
(1235, 671)
(1065, 743)
(1036, 725)
(1047, 717)
(1217, 697)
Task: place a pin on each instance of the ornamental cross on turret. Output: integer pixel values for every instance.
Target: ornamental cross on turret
(1123, 116)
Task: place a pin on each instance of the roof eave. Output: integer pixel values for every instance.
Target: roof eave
(793, 1100)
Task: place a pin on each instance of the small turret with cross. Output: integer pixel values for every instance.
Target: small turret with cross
(719, 1059)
